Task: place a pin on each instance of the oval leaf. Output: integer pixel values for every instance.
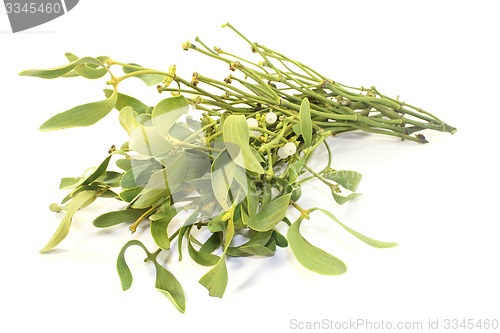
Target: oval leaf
(126, 100)
(159, 228)
(272, 214)
(117, 217)
(310, 256)
(81, 199)
(170, 286)
(82, 115)
(222, 175)
(98, 172)
(149, 79)
(306, 122)
(167, 112)
(236, 136)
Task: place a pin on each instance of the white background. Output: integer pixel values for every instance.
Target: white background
(438, 201)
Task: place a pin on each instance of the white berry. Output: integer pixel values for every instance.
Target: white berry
(290, 148)
(282, 153)
(252, 122)
(271, 117)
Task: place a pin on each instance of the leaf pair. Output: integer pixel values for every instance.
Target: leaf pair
(317, 260)
(165, 281)
(82, 115)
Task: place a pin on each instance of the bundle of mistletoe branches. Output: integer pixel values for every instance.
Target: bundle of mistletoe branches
(234, 168)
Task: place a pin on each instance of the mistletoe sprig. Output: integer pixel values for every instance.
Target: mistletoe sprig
(232, 166)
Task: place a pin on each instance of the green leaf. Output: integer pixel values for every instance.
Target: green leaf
(130, 194)
(121, 265)
(298, 165)
(128, 119)
(310, 256)
(212, 243)
(150, 197)
(163, 182)
(236, 136)
(345, 178)
(126, 100)
(110, 178)
(185, 228)
(71, 57)
(98, 172)
(259, 244)
(217, 224)
(281, 240)
(202, 258)
(81, 199)
(175, 169)
(116, 217)
(167, 112)
(145, 140)
(82, 115)
(222, 176)
(69, 182)
(56, 72)
(159, 227)
(215, 280)
(306, 128)
(340, 199)
(125, 164)
(252, 202)
(272, 214)
(170, 286)
(296, 129)
(138, 175)
(365, 239)
(149, 79)
(88, 71)
(198, 164)
(165, 281)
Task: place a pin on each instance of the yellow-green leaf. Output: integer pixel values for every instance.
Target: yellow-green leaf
(121, 265)
(149, 79)
(126, 100)
(272, 214)
(159, 227)
(236, 136)
(305, 122)
(81, 199)
(167, 112)
(311, 257)
(52, 73)
(202, 258)
(145, 140)
(216, 279)
(222, 176)
(82, 115)
(365, 239)
(116, 217)
(170, 286)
